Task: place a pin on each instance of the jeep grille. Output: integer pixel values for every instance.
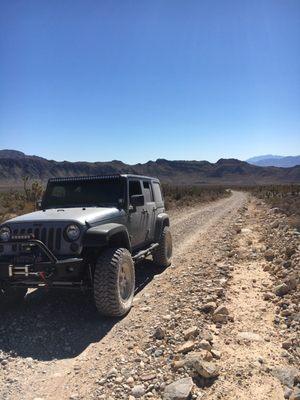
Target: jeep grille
(51, 237)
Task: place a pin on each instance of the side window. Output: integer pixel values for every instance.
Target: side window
(134, 188)
(148, 192)
(157, 192)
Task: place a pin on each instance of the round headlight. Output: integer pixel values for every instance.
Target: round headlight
(72, 232)
(5, 233)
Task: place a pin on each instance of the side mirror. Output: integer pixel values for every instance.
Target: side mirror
(137, 200)
(38, 205)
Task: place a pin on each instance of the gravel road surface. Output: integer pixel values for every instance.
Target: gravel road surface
(55, 346)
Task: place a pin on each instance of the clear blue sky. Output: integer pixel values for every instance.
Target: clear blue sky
(139, 80)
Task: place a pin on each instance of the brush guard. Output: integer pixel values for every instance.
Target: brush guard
(43, 268)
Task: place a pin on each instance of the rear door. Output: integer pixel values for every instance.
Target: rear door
(159, 206)
(149, 209)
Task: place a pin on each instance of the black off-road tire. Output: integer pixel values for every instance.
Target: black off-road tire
(12, 296)
(163, 253)
(111, 297)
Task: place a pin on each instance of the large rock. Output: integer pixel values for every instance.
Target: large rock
(190, 332)
(138, 391)
(282, 289)
(286, 375)
(178, 390)
(206, 369)
(221, 314)
(205, 345)
(208, 307)
(186, 347)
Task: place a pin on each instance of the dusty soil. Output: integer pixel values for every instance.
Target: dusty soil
(209, 304)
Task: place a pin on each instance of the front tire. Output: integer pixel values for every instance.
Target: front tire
(163, 253)
(114, 282)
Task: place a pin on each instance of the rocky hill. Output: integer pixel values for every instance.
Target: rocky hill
(275, 161)
(15, 165)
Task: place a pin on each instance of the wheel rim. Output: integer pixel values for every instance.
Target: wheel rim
(168, 245)
(125, 281)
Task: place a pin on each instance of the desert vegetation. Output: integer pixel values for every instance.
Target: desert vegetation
(16, 202)
(286, 198)
(185, 196)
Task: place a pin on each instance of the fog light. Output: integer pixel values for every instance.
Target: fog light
(74, 247)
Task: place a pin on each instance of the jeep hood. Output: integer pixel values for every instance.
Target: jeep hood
(76, 214)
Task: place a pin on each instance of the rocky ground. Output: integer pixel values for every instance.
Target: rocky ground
(221, 323)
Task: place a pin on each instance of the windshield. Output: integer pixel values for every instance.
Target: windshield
(85, 193)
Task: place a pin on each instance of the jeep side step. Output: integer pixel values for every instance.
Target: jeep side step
(144, 253)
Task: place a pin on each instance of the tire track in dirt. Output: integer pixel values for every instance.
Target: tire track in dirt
(251, 345)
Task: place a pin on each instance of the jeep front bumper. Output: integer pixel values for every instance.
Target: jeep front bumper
(35, 264)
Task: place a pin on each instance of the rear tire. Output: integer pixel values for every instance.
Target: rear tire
(12, 295)
(163, 253)
(114, 282)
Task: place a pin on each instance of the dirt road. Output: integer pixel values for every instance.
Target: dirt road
(56, 346)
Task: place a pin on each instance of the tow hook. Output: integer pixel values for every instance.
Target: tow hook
(42, 276)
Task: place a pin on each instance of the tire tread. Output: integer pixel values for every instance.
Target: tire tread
(106, 283)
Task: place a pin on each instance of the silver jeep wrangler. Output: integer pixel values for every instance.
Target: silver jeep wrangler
(88, 234)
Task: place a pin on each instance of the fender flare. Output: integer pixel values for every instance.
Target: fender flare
(162, 220)
(112, 234)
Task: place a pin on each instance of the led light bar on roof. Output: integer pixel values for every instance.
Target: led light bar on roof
(84, 178)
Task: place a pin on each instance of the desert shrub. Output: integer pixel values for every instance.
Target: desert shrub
(19, 202)
(284, 197)
(182, 196)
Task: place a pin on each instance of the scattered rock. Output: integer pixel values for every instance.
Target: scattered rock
(186, 347)
(269, 255)
(289, 251)
(159, 333)
(287, 392)
(138, 391)
(206, 369)
(282, 289)
(216, 354)
(275, 224)
(269, 296)
(191, 332)
(249, 337)
(112, 372)
(205, 345)
(178, 390)
(295, 394)
(286, 375)
(221, 314)
(208, 307)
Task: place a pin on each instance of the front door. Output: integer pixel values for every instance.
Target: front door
(137, 218)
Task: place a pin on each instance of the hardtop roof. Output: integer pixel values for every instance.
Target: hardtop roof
(104, 176)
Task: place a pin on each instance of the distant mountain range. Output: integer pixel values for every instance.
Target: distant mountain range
(270, 160)
(15, 165)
